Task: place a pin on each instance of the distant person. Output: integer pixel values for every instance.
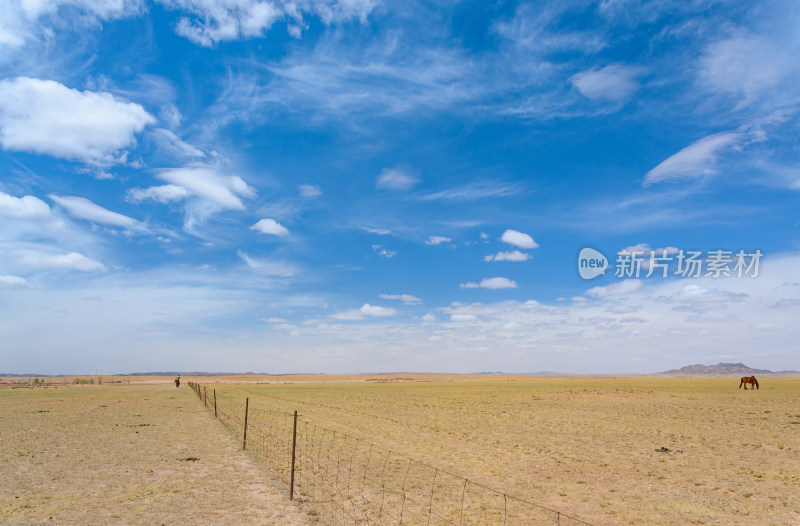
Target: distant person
(177, 382)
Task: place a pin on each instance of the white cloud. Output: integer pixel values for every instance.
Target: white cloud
(378, 231)
(365, 311)
(514, 255)
(46, 117)
(206, 182)
(395, 179)
(216, 21)
(13, 282)
(437, 240)
(268, 267)
(463, 317)
(310, 191)
(407, 299)
(474, 191)
(20, 20)
(25, 207)
(270, 226)
(745, 65)
(71, 261)
(491, 283)
(381, 251)
(703, 296)
(695, 160)
(613, 83)
(615, 289)
(84, 209)
(175, 145)
(518, 239)
(161, 194)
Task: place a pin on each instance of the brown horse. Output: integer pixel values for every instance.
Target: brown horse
(748, 380)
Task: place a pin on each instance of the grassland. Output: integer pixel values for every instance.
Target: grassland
(608, 450)
(117, 454)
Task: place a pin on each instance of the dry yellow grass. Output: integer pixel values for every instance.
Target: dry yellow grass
(112, 455)
(607, 450)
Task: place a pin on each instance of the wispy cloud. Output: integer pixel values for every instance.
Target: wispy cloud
(161, 194)
(396, 179)
(378, 231)
(514, 255)
(745, 66)
(697, 159)
(210, 22)
(176, 146)
(383, 251)
(475, 191)
(268, 267)
(407, 299)
(491, 283)
(615, 82)
(615, 289)
(309, 191)
(82, 208)
(367, 310)
(437, 240)
(21, 21)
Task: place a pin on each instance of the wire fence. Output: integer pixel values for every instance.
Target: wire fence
(342, 479)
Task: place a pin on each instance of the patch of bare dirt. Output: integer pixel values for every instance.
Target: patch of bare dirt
(127, 455)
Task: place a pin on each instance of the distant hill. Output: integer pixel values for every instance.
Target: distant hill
(721, 369)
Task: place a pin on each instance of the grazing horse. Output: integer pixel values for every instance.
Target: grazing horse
(178, 382)
(748, 380)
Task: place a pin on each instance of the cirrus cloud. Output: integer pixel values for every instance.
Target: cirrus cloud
(82, 208)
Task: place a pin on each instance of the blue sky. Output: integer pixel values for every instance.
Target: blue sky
(358, 185)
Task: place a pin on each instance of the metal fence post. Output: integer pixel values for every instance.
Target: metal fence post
(246, 408)
(215, 403)
(294, 445)
(205, 396)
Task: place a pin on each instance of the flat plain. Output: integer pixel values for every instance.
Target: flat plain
(127, 454)
(643, 450)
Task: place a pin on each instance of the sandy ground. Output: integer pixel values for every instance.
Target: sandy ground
(122, 455)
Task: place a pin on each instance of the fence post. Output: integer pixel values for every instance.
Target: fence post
(205, 396)
(215, 403)
(294, 444)
(246, 408)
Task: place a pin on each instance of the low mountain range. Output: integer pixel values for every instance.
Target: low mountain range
(721, 369)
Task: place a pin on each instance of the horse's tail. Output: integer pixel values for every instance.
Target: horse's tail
(741, 382)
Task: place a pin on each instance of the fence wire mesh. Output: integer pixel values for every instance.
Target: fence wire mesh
(344, 480)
